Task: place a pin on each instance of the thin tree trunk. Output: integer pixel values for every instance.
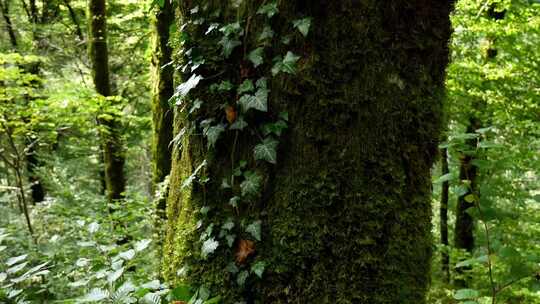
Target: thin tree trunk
(34, 12)
(344, 216)
(445, 257)
(162, 91)
(113, 152)
(75, 20)
(4, 6)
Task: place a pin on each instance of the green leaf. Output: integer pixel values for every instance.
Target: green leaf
(246, 87)
(209, 246)
(242, 277)
(287, 65)
(232, 268)
(266, 150)
(259, 101)
(213, 133)
(213, 300)
(466, 294)
(228, 225)
(234, 201)
(232, 29)
(251, 185)
(182, 293)
(470, 198)
(267, 33)
(239, 124)
(256, 56)
(95, 295)
(192, 177)
(445, 178)
(228, 45)
(255, 230)
(183, 89)
(127, 255)
(275, 128)
(303, 25)
(17, 259)
(269, 9)
(258, 268)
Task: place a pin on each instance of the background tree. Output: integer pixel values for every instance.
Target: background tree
(113, 154)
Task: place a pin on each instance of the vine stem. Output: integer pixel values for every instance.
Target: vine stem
(232, 157)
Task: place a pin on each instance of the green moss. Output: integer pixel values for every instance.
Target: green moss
(346, 212)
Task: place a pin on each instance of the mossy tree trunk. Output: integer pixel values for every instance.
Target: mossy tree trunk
(162, 91)
(4, 7)
(112, 147)
(345, 214)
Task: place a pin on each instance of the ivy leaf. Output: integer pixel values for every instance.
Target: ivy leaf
(232, 29)
(228, 225)
(209, 246)
(276, 128)
(258, 268)
(211, 28)
(256, 56)
(269, 9)
(267, 33)
(232, 268)
(246, 86)
(183, 89)
(213, 133)
(228, 45)
(239, 124)
(266, 150)
(234, 201)
(255, 230)
(192, 177)
(259, 101)
(287, 65)
(242, 277)
(303, 25)
(250, 186)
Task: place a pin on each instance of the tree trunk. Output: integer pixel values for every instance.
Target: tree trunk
(4, 6)
(344, 216)
(445, 257)
(162, 91)
(113, 153)
(75, 20)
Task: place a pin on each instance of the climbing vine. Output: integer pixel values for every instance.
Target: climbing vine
(234, 64)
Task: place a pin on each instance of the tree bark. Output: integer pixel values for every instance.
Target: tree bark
(445, 257)
(4, 6)
(345, 214)
(112, 148)
(162, 91)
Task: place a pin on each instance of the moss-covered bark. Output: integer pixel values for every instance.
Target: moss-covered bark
(112, 148)
(443, 217)
(162, 91)
(4, 7)
(346, 211)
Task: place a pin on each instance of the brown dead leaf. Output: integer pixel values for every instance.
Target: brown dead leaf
(230, 112)
(244, 249)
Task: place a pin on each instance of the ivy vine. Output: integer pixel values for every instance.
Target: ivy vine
(243, 98)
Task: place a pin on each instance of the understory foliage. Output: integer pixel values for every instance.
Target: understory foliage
(73, 247)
